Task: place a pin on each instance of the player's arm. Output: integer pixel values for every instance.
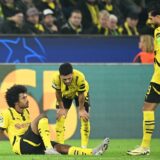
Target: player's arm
(59, 98)
(157, 48)
(61, 111)
(81, 97)
(158, 40)
(82, 112)
(56, 85)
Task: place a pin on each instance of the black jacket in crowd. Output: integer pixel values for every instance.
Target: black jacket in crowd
(68, 29)
(9, 27)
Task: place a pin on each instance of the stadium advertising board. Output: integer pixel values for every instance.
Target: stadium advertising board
(67, 49)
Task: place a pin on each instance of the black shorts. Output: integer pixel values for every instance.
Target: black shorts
(28, 148)
(68, 102)
(153, 93)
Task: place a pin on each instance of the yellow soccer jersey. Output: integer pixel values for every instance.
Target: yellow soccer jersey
(156, 75)
(14, 123)
(78, 84)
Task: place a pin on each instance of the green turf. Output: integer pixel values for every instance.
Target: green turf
(117, 151)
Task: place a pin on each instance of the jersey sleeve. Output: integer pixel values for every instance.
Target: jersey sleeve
(4, 120)
(157, 36)
(81, 83)
(56, 82)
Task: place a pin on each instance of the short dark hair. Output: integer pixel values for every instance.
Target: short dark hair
(133, 15)
(65, 69)
(12, 94)
(155, 12)
(75, 11)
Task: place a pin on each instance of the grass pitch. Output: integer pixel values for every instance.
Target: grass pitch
(116, 151)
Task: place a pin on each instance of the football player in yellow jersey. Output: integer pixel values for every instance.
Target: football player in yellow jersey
(28, 137)
(70, 84)
(152, 97)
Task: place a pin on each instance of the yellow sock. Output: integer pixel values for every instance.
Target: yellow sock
(148, 128)
(85, 132)
(80, 151)
(60, 130)
(44, 132)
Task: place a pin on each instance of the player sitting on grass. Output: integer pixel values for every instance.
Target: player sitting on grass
(28, 137)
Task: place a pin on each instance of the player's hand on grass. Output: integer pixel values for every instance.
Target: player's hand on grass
(83, 114)
(61, 112)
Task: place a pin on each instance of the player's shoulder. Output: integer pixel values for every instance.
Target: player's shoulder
(26, 111)
(6, 112)
(157, 31)
(56, 80)
(56, 76)
(79, 77)
(78, 73)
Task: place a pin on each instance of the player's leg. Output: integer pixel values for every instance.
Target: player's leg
(148, 123)
(151, 100)
(72, 150)
(40, 127)
(31, 143)
(148, 128)
(60, 129)
(85, 125)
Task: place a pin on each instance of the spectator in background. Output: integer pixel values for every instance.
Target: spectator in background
(147, 47)
(1, 11)
(121, 8)
(90, 12)
(127, 6)
(55, 6)
(33, 21)
(102, 27)
(14, 24)
(74, 24)
(130, 25)
(26, 4)
(48, 22)
(106, 5)
(113, 25)
(9, 7)
(68, 6)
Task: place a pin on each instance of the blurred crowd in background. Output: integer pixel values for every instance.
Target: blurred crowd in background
(103, 17)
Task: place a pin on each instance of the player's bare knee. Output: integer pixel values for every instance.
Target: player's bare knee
(43, 115)
(149, 106)
(36, 121)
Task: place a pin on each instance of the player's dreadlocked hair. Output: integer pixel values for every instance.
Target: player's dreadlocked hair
(65, 69)
(12, 94)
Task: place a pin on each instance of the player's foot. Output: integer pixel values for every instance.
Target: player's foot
(101, 148)
(51, 151)
(139, 151)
